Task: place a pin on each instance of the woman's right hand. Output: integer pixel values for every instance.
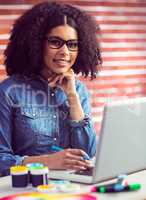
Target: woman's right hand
(68, 159)
(65, 159)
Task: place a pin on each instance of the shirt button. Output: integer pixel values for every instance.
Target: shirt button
(33, 114)
(52, 94)
(55, 139)
(54, 116)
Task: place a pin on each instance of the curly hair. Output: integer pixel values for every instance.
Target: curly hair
(24, 53)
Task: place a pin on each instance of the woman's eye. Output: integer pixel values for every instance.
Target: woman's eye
(55, 42)
(73, 45)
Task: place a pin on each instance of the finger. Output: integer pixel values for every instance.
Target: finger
(51, 78)
(78, 152)
(75, 167)
(69, 74)
(53, 81)
(70, 71)
(69, 155)
(60, 80)
(77, 160)
(88, 162)
(73, 155)
(76, 163)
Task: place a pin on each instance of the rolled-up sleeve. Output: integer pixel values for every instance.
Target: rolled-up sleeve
(83, 135)
(7, 157)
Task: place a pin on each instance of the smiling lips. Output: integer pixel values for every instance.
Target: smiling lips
(61, 62)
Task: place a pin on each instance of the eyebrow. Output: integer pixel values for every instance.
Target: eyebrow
(56, 37)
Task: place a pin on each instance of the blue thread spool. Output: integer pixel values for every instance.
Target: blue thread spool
(19, 176)
(39, 176)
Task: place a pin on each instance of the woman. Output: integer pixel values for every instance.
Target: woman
(42, 105)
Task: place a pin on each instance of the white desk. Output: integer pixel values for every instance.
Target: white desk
(140, 177)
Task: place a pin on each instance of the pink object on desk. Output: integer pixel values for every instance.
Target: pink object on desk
(38, 196)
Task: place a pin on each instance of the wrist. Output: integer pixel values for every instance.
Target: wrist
(72, 96)
(73, 93)
(25, 160)
(31, 159)
(80, 122)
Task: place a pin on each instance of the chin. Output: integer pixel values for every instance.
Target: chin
(61, 71)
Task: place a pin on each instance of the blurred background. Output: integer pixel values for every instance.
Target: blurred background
(123, 44)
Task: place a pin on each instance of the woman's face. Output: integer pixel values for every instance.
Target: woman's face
(60, 49)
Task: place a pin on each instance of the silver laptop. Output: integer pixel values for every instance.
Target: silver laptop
(122, 143)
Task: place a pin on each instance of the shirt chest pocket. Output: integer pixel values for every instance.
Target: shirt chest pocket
(38, 120)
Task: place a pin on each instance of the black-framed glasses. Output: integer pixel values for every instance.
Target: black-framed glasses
(57, 43)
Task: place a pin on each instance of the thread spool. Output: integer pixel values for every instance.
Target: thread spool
(69, 187)
(39, 176)
(31, 166)
(19, 176)
(47, 188)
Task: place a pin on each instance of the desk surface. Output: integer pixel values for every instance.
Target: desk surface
(140, 177)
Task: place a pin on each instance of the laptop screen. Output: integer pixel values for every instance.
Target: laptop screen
(122, 140)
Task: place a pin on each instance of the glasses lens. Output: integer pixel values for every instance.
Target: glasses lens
(72, 45)
(55, 43)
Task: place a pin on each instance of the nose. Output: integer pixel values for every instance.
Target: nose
(64, 49)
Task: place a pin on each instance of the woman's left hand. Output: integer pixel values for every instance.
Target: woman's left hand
(66, 81)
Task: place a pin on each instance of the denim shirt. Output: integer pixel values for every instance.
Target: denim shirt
(34, 116)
